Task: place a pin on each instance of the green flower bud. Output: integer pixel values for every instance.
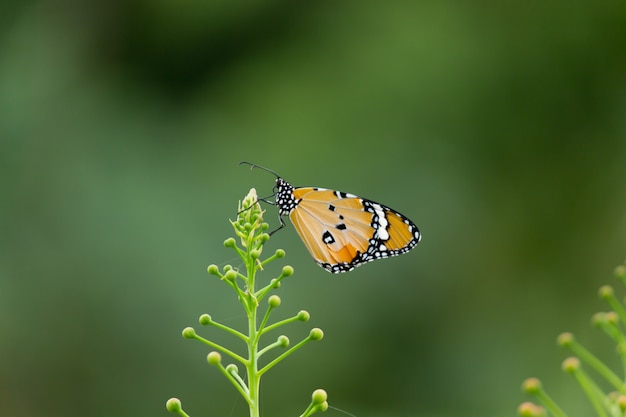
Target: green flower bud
(214, 358)
(231, 276)
(612, 317)
(173, 405)
(598, 318)
(605, 292)
(530, 410)
(571, 364)
(531, 386)
(316, 334)
(565, 339)
(189, 333)
(213, 270)
(319, 396)
(230, 242)
(274, 301)
(283, 341)
(205, 320)
(303, 315)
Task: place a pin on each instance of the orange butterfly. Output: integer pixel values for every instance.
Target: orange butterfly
(341, 230)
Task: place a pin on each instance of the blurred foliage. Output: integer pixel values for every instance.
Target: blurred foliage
(498, 127)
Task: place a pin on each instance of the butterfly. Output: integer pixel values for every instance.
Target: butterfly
(340, 230)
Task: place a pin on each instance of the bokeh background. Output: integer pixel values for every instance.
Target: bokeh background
(498, 127)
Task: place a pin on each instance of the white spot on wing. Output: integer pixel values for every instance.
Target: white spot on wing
(381, 230)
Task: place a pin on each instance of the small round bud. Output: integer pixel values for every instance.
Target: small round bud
(255, 254)
(571, 365)
(565, 339)
(189, 333)
(264, 237)
(283, 341)
(605, 291)
(303, 315)
(316, 334)
(232, 369)
(531, 386)
(598, 318)
(621, 402)
(612, 317)
(231, 276)
(530, 410)
(319, 396)
(205, 320)
(213, 270)
(274, 301)
(214, 358)
(227, 268)
(265, 226)
(287, 271)
(173, 405)
(620, 271)
(230, 242)
(279, 253)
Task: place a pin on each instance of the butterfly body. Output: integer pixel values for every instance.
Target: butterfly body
(341, 230)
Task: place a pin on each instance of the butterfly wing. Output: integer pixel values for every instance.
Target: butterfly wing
(343, 231)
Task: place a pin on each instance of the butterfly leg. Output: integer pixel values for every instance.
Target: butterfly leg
(282, 224)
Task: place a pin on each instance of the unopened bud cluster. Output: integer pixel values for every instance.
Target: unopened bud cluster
(611, 402)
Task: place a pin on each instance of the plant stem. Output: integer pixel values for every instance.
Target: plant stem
(253, 342)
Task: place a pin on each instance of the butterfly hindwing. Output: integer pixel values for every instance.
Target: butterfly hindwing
(343, 231)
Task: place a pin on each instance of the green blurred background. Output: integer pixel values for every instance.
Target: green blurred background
(498, 127)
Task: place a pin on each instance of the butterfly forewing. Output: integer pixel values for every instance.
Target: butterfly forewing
(332, 233)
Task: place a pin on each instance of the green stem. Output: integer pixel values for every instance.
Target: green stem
(594, 394)
(253, 342)
(284, 355)
(598, 366)
(221, 349)
(229, 330)
(237, 383)
(279, 323)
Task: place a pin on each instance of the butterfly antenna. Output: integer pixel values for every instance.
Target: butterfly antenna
(252, 166)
